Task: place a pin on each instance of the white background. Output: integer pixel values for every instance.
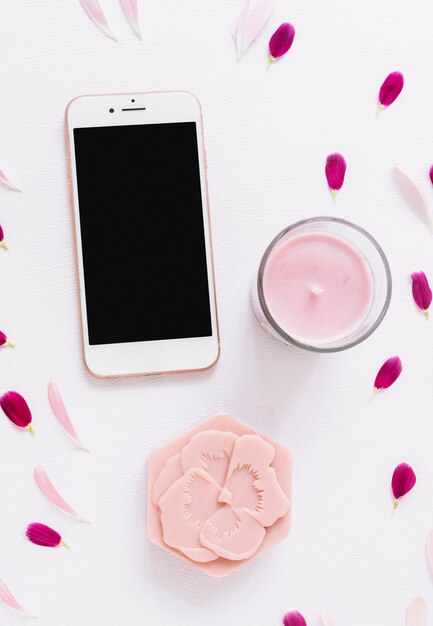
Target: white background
(268, 134)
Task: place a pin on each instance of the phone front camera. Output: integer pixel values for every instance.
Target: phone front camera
(111, 110)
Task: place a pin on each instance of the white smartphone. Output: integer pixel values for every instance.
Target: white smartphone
(137, 170)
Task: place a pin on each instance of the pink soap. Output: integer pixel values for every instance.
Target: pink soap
(219, 494)
(318, 287)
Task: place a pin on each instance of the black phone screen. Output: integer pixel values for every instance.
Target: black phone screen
(142, 232)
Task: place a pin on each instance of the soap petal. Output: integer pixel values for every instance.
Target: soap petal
(210, 450)
(185, 507)
(251, 451)
(273, 502)
(168, 475)
(233, 535)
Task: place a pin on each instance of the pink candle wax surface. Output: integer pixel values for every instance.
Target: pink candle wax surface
(317, 287)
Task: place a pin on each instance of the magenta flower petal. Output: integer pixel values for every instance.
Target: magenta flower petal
(421, 291)
(388, 373)
(430, 173)
(403, 480)
(293, 618)
(43, 535)
(16, 409)
(2, 239)
(4, 341)
(281, 41)
(335, 171)
(390, 89)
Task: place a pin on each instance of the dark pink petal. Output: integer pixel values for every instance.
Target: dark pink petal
(403, 480)
(4, 341)
(43, 535)
(388, 373)
(421, 291)
(294, 619)
(16, 409)
(281, 41)
(335, 171)
(391, 88)
(2, 237)
(430, 173)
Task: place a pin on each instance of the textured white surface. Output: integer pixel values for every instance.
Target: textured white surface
(268, 133)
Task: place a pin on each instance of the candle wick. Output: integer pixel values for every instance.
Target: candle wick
(317, 291)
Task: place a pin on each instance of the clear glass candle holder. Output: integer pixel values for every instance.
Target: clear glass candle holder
(375, 260)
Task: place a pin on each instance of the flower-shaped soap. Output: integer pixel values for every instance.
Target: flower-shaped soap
(219, 494)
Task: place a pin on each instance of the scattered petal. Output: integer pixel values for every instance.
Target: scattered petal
(390, 89)
(415, 196)
(431, 174)
(388, 373)
(335, 171)
(281, 41)
(43, 535)
(7, 181)
(4, 343)
(50, 492)
(17, 410)
(430, 550)
(416, 613)
(403, 480)
(95, 12)
(325, 620)
(131, 11)
(421, 292)
(294, 618)
(253, 17)
(61, 414)
(7, 597)
(2, 240)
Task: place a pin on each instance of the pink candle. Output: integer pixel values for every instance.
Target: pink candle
(318, 287)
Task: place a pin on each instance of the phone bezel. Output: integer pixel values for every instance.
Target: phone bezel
(143, 357)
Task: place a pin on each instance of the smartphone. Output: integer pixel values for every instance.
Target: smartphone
(137, 172)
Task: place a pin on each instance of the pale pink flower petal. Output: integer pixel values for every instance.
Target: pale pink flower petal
(7, 181)
(233, 535)
(131, 11)
(416, 613)
(253, 17)
(415, 196)
(184, 507)
(7, 597)
(95, 12)
(430, 551)
(50, 492)
(325, 620)
(61, 414)
(210, 450)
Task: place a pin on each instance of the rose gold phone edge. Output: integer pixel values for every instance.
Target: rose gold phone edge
(74, 228)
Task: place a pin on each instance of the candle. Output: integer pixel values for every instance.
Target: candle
(324, 284)
(318, 287)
